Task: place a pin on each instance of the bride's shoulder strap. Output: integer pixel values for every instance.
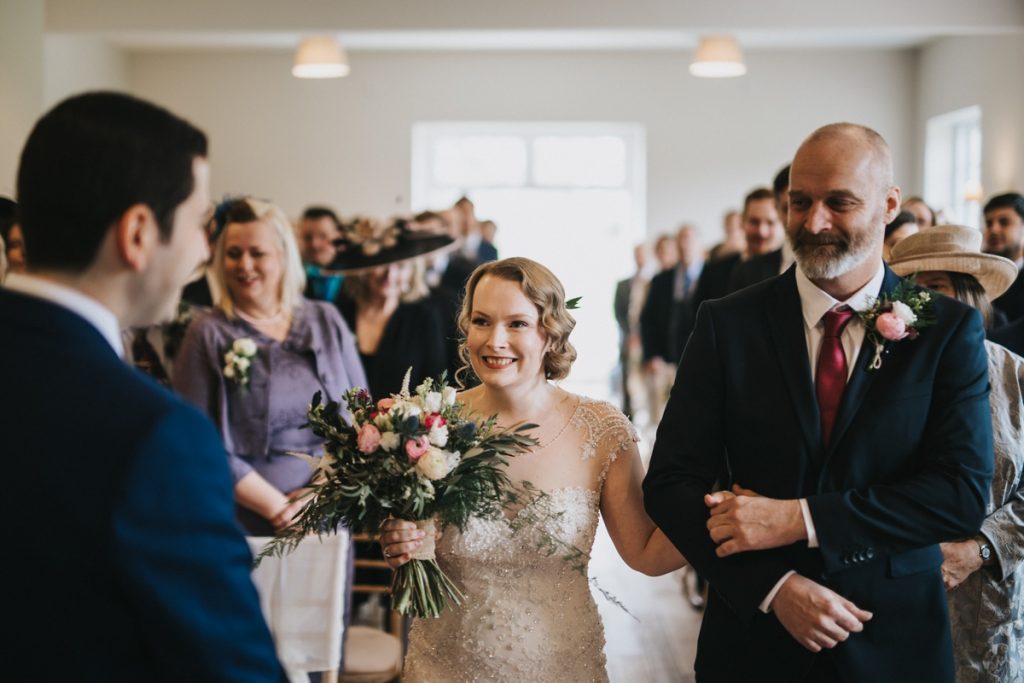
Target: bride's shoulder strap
(606, 431)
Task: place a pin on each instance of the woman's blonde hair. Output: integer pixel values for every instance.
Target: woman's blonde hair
(546, 292)
(293, 278)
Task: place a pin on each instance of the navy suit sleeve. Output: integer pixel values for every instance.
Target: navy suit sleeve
(945, 497)
(689, 458)
(184, 563)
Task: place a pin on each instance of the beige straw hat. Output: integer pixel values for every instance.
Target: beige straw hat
(955, 248)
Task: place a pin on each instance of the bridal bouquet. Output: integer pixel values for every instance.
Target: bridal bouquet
(416, 456)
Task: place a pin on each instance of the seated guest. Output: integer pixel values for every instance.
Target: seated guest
(1004, 236)
(284, 349)
(125, 541)
(10, 236)
(901, 227)
(776, 261)
(923, 214)
(318, 229)
(984, 575)
(392, 333)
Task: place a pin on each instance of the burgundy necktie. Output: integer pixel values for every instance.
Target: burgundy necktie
(830, 378)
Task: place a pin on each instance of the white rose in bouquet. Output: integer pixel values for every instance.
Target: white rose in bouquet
(432, 402)
(448, 395)
(434, 464)
(438, 436)
(389, 441)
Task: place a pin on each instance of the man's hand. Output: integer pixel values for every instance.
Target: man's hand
(743, 520)
(959, 560)
(816, 616)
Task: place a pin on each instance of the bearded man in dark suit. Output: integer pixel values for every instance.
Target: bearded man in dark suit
(845, 463)
(125, 537)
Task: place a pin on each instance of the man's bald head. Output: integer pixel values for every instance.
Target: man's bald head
(852, 138)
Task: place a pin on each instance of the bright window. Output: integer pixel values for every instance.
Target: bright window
(952, 171)
(569, 195)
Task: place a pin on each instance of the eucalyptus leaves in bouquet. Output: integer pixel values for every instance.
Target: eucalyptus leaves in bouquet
(417, 456)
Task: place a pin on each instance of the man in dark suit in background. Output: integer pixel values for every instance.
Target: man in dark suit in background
(1004, 236)
(667, 317)
(763, 233)
(770, 263)
(847, 474)
(124, 535)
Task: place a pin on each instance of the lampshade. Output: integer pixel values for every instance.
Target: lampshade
(718, 57)
(320, 57)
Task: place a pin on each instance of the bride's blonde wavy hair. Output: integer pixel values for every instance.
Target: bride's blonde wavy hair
(546, 292)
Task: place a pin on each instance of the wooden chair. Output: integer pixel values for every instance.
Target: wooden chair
(373, 655)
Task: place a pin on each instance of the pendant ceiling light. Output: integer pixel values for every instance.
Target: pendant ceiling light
(320, 57)
(718, 57)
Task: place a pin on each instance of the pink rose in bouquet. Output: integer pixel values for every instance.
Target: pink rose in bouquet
(369, 438)
(415, 448)
(384, 405)
(891, 326)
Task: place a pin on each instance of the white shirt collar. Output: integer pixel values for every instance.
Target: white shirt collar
(95, 313)
(816, 303)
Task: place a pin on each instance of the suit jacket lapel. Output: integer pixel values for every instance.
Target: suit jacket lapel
(786, 326)
(861, 379)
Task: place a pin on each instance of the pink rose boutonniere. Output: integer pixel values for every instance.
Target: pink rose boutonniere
(896, 316)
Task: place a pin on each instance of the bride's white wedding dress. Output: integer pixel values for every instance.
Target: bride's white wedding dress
(528, 614)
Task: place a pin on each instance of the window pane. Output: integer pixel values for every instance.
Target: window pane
(479, 161)
(579, 161)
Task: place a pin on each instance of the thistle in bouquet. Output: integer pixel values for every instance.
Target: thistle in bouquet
(418, 456)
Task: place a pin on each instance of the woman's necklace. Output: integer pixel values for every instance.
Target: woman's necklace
(541, 446)
(261, 322)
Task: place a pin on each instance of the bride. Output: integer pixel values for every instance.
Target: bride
(528, 614)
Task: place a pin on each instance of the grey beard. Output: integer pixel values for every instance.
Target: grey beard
(822, 266)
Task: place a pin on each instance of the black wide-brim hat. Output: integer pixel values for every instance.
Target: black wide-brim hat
(379, 246)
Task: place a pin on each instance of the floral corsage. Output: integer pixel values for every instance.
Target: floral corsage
(238, 361)
(901, 314)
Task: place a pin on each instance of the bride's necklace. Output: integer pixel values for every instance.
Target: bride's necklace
(261, 322)
(542, 445)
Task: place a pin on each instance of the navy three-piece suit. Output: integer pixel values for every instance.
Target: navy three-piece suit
(909, 465)
(122, 558)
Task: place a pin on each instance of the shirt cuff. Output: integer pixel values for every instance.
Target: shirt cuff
(766, 604)
(812, 537)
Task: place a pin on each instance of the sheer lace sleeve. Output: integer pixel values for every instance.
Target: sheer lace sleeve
(607, 432)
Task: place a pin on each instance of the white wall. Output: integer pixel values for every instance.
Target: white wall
(21, 81)
(73, 64)
(954, 73)
(347, 141)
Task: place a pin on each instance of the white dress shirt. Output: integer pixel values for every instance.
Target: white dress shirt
(815, 304)
(95, 313)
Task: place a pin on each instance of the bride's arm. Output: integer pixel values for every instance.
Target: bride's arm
(640, 543)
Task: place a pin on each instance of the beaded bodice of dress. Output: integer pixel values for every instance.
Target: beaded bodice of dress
(528, 613)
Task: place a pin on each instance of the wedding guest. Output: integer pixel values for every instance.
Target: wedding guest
(771, 263)
(899, 228)
(487, 251)
(3, 261)
(984, 573)
(630, 295)
(667, 317)
(514, 624)
(10, 235)
(733, 241)
(319, 227)
(392, 333)
(665, 252)
(285, 348)
(1004, 236)
(127, 545)
(924, 215)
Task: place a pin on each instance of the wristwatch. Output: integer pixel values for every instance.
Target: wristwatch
(984, 549)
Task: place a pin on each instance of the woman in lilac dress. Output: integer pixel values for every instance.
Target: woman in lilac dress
(283, 349)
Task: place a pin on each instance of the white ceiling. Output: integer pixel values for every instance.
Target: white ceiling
(528, 24)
